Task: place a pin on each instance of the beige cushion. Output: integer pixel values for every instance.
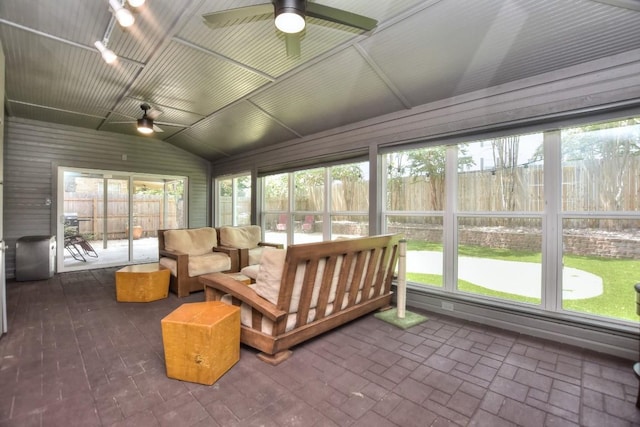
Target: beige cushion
(251, 271)
(255, 255)
(270, 274)
(269, 279)
(247, 236)
(196, 241)
(212, 262)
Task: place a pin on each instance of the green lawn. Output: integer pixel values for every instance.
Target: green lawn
(618, 277)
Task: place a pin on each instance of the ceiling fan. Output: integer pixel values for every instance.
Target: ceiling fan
(147, 123)
(290, 18)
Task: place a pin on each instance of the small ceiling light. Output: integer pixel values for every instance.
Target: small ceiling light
(290, 16)
(124, 16)
(107, 54)
(135, 3)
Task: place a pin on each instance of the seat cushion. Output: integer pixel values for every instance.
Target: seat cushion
(213, 262)
(251, 271)
(247, 236)
(195, 241)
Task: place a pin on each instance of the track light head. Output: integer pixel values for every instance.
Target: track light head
(124, 16)
(107, 54)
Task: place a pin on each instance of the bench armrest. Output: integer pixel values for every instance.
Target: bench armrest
(273, 245)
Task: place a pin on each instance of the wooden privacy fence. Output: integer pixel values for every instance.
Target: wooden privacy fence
(148, 214)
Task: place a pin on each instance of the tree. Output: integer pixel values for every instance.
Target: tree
(505, 158)
(605, 153)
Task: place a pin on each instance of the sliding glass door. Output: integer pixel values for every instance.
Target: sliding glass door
(112, 218)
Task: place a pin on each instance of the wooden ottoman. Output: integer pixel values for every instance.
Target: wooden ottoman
(142, 283)
(201, 341)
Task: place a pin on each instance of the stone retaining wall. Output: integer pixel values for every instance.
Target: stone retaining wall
(606, 245)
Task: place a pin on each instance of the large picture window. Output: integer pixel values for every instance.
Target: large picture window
(600, 218)
(548, 220)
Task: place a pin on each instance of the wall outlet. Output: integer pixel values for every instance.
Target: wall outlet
(447, 305)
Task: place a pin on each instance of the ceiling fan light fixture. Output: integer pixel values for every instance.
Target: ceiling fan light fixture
(107, 54)
(135, 3)
(290, 16)
(290, 22)
(124, 16)
(145, 125)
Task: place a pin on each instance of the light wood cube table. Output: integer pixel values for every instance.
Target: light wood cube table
(201, 341)
(142, 283)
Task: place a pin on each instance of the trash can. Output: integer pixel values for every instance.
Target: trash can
(35, 257)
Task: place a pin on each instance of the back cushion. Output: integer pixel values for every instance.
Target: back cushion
(270, 274)
(196, 241)
(247, 236)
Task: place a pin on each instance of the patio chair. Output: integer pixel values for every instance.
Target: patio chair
(281, 225)
(307, 225)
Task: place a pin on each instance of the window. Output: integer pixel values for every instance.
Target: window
(111, 218)
(233, 200)
(500, 199)
(547, 220)
(313, 205)
(600, 218)
(415, 203)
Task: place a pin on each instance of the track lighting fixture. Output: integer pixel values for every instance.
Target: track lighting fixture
(107, 54)
(124, 16)
(290, 16)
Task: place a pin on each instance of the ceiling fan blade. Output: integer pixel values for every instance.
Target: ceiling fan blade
(228, 17)
(156, 128)
(340, 16)
(292, 42)
(154, 114)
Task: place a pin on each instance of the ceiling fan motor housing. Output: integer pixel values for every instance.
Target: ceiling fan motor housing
(290, 6)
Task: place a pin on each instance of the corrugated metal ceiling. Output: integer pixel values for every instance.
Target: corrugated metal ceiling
(225, 90)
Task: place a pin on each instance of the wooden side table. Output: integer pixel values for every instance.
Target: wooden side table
(201, 341)
(142, 283)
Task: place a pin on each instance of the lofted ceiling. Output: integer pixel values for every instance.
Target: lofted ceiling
(232, 88)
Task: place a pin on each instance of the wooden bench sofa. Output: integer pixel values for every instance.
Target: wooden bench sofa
(189, 253)
(308, 289)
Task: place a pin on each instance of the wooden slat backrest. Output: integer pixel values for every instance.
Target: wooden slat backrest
(363, 269)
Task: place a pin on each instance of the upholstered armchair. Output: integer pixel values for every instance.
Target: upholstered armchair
(248, 240)
(190, 253)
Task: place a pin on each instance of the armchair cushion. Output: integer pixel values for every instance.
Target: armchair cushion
(247, 236)
(197, 241)
(200, 264)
